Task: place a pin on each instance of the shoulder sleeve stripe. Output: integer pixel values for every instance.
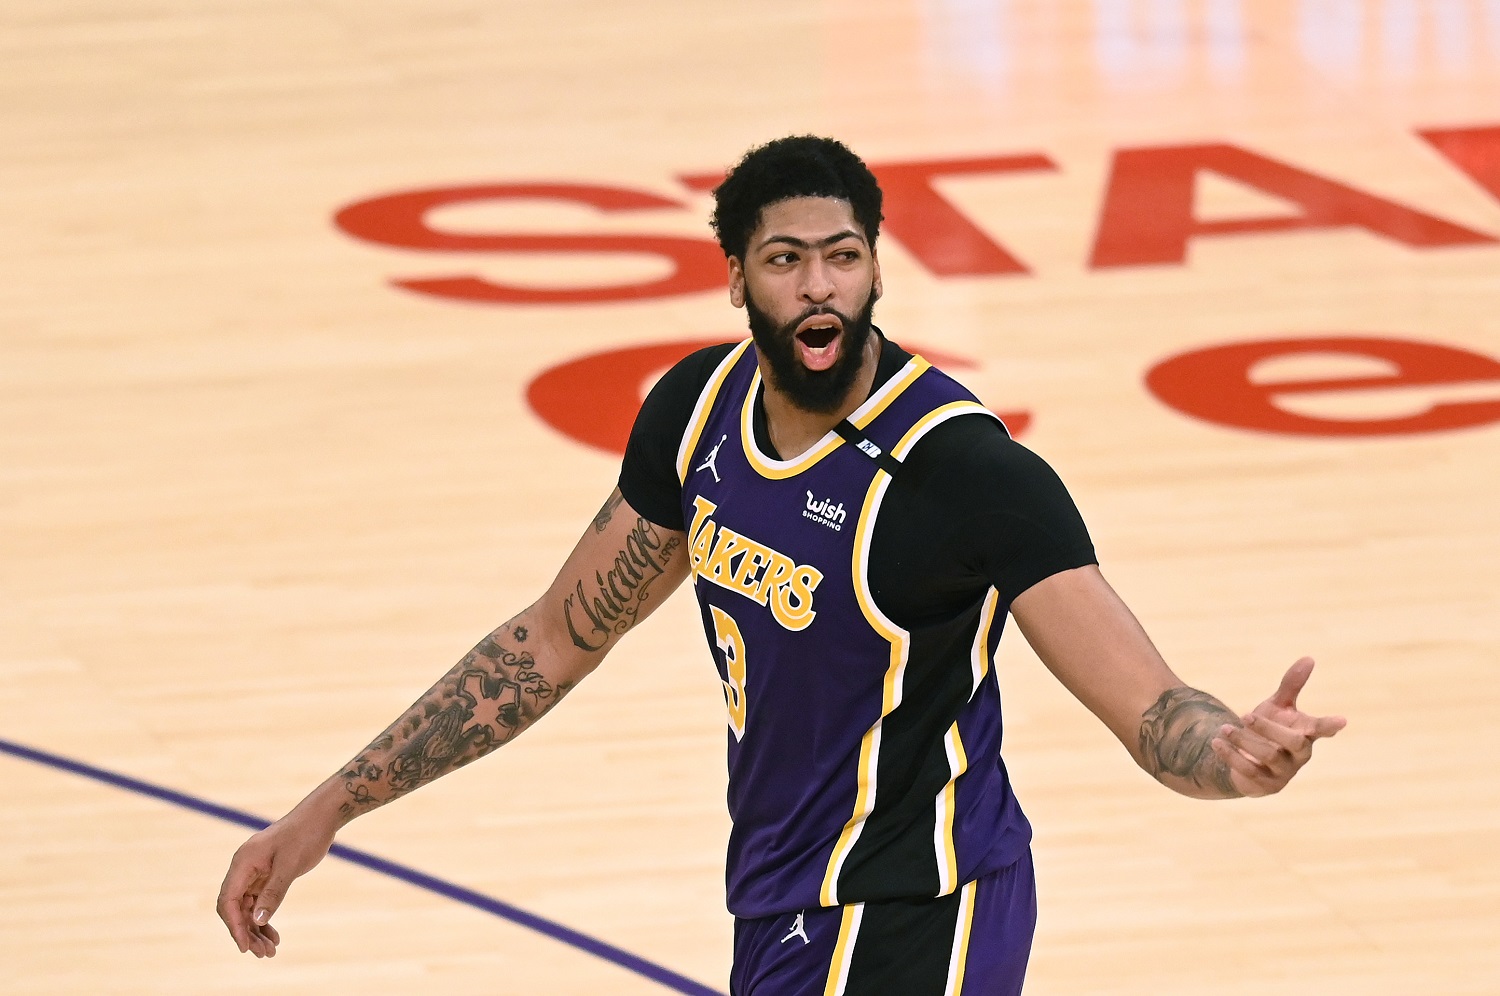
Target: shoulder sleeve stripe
(935, 418)
(704, 406)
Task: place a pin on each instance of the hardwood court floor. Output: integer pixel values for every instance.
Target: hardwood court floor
(255, 496)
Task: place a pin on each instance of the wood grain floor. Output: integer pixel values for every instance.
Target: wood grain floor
(255, 496)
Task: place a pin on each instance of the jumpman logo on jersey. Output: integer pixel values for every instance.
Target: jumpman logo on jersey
(713, 455)
(799, 929)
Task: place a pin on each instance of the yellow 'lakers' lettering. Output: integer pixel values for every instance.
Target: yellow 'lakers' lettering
(718, 568)
(752, 569)
(701, 546)
(792, 604)
(747, 577)
(701, 538)
(778, 574)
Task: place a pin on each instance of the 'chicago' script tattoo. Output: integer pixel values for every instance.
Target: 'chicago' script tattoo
(617, 594)
(1177, 735)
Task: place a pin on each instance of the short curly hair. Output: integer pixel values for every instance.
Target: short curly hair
(795, 166)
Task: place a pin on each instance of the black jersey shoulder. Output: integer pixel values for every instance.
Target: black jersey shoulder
(971, 508)
(648, 473)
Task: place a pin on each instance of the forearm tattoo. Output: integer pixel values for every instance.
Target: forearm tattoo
(496, 691)
(1177, 735)
(611, 603)
(488, 698)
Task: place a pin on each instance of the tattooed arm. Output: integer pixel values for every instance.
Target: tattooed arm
(485, 701)
(621, 569)
(1184, 738)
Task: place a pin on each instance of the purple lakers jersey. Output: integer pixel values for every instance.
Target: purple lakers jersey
(864, 758)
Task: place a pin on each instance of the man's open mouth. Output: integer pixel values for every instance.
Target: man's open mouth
(818, 341)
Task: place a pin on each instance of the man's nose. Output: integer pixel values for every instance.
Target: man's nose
(817, 284)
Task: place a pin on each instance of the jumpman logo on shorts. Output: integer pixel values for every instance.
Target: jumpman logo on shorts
(799, 929)
(713, 455)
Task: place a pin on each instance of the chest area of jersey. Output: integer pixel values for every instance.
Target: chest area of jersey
(777, 543)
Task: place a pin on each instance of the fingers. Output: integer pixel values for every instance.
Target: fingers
(1258, 766)
(240, 882)
(1265, 754)
(270, 897)
(253, 889)
(1274, 753)
(1246, 774)
(1286, 738)
(264, 941)
(1292, 682)
(1277, 738)
(1327, 726)
(251, 938)
(261, 939)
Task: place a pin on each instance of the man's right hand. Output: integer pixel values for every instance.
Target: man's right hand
(261, 872)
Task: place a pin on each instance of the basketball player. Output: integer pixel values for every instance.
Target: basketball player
(857, 527)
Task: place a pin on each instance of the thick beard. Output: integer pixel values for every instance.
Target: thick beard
(820, 391)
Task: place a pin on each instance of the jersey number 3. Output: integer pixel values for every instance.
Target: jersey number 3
(727, 636)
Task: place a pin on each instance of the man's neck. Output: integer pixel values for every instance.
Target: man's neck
(795, 430)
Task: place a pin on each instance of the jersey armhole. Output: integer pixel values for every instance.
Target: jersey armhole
(701, 410)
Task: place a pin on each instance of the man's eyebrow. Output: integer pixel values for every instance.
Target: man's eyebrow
(796, 243)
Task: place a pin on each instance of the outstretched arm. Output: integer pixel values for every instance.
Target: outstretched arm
(1185, 738)
(617, 574)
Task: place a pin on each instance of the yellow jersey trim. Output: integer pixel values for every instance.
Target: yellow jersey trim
(843, 950)
(900, 641)
(935, 418)
(947, 855)
(979, 655)
(701, 411)
(958, 961)
(780, 470)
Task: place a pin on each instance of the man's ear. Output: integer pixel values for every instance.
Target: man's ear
(736, 282)
(876, 288)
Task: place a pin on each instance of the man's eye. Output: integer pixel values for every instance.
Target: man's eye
(782, 259)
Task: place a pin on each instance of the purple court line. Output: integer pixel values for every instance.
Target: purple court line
(505, 911)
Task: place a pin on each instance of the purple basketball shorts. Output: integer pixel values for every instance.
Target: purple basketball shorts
(972, 942)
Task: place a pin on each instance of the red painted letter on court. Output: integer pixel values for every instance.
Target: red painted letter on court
(1476, 151)
(1148, 210)
(401, 220)
(1219, 384)
(594, 399)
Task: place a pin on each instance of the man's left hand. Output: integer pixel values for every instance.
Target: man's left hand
(1277, 738)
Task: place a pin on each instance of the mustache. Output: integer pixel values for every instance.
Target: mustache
(790, 328)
